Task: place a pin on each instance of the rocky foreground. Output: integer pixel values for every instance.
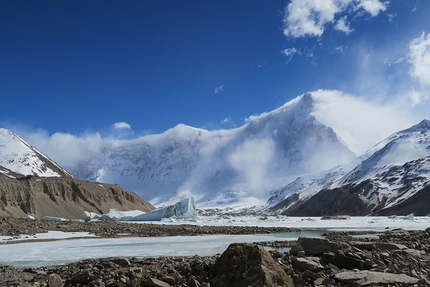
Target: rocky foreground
(397, 258)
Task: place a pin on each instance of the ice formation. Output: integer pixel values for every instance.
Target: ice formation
(185, 209)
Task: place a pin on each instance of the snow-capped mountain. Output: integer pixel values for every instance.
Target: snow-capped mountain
(20, 157)
(32, 184)
(379, 181)
(224, 167)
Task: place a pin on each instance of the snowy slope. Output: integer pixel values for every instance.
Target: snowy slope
(20, 157)
(392, 171)
(224, 167)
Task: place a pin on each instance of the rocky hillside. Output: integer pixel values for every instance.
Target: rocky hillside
(62, 197)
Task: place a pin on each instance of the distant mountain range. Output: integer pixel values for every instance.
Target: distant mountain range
(283, 161)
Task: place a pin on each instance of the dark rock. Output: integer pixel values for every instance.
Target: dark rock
(247, 265)
(121, 261)
(390, 246)
(318, 246)
(308, 263)
(82, 278)
(343, 261)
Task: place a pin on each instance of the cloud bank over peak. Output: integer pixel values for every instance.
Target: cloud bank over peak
(304, 18)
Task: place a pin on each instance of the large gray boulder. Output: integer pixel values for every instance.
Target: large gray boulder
(244, 264)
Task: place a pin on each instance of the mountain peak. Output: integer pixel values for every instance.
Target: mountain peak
(17, 155)
(425, 124)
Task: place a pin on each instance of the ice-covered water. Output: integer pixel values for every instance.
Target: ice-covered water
(33, 254)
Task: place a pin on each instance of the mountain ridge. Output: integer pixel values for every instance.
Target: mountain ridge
(393, 171)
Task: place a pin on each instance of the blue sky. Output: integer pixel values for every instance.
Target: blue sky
(128, 68)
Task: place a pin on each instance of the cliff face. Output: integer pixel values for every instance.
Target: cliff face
(63, 197)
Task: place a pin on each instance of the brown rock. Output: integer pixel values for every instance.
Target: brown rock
(244, 264)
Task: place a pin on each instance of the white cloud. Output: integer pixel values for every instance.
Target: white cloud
(121, 125)
(343, 25)
(290, 52)
(219, 89)
(66, 149)
(225, 121)
(339, 48)
(310, 17)
(419, 58)
(253, 161)
(374, 7)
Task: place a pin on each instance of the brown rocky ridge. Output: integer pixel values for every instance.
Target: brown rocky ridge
(65, 197)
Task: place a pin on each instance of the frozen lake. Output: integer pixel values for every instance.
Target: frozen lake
(33, 254)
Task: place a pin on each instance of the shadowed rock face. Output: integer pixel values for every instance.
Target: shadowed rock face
(248, 265)
(63, 197)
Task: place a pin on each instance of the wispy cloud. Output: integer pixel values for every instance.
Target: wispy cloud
(290, 52)
(219, 89)
(310, 17)
(225, 121)
(360, 121)
(121, 125)
(343, 25)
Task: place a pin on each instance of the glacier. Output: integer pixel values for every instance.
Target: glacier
(184, 209)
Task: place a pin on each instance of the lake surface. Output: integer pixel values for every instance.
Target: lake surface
(35, 254)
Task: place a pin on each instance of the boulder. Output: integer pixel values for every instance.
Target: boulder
(390, 246)
(244, 264)
(308, 263)
(318, 246)
(343, 261)
(366, 278)
(54, 280)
